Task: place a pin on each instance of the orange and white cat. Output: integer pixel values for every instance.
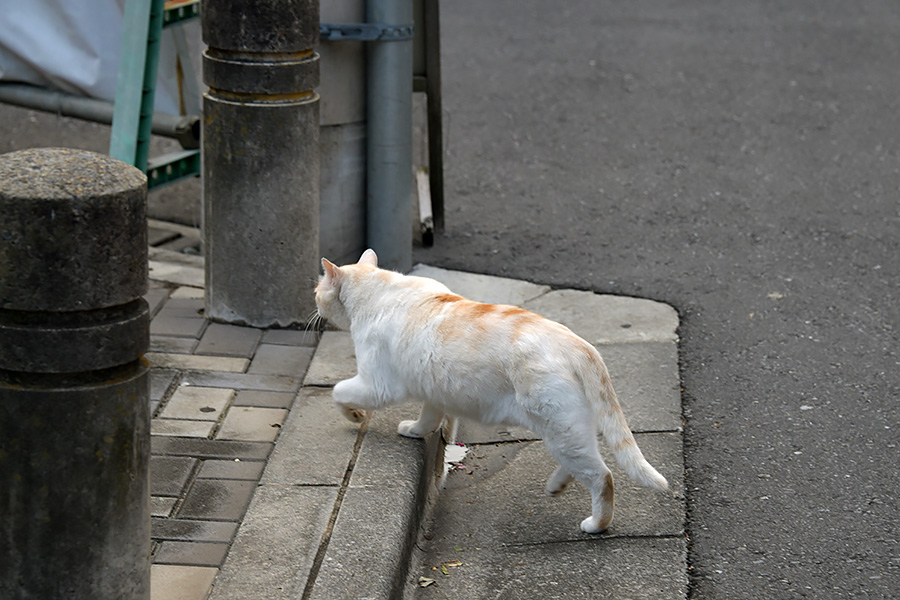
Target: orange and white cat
(416, 340)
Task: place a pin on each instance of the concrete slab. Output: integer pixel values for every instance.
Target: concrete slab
(594, 569)
(499, 498)
(386, 458)
(333, 361)
(375, 531)
(647, 383)
(604, 319)
(484, 288)
(274, 550)
(368, 553)
(315, 445)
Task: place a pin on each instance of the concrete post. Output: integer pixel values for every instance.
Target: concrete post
(389, 160)
(261, 160)
(74, 406)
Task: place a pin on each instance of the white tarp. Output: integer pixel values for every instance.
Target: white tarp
(73, 46)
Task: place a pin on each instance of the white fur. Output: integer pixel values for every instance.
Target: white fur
(493, 364)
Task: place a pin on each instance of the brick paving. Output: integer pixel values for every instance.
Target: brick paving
(219, 397)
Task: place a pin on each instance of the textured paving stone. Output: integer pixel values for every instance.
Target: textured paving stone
(243, 381)
(172, 345)
(197, 403)
(155, 298)
(291, 337)
(187, 530)
(177, 582)
(160, 380)
(229, 340)
(194, 361)
(252, 423)
(217, 499)
(169, 474)
(202, 554)
(161, 506)
(272, 359)
(231, 469)
(182, 428)
(205, 449)
(263, 399)
(179, 317)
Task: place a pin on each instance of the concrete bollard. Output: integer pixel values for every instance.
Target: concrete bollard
(74, 406)
(261, 160)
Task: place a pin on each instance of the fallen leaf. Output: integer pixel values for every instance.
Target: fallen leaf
(425, 581)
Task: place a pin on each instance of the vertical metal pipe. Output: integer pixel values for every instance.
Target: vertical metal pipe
(74, 406)
(389, 168)
(261, 160)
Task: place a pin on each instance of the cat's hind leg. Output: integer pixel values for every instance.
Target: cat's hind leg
(581, 457)
(429, 420)
(558, 482)
(354, 397)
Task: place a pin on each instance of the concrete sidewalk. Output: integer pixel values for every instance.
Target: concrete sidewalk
(261, 490)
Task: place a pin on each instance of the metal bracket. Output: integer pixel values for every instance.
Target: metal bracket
(364, 32)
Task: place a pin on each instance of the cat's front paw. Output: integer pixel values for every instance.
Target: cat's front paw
(409, 429)
(355, 415)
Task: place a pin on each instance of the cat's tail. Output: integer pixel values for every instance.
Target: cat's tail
(618, 435)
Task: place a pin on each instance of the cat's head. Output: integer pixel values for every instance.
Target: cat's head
(329, 301)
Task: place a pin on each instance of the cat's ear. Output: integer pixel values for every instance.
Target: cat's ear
(369, 258)
(332, 272)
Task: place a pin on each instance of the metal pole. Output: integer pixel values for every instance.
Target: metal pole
(389, 161)
(261, 160)
(74, 407)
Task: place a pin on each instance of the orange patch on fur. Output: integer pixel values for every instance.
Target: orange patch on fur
(479, 310)
(609, 491)
(448, 298)
(625, 443)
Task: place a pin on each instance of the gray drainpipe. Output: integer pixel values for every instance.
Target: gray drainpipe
(389, 152)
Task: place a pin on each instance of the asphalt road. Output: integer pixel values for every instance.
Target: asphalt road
(739, 160)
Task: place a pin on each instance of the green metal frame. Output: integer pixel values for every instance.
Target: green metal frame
(136, 88)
